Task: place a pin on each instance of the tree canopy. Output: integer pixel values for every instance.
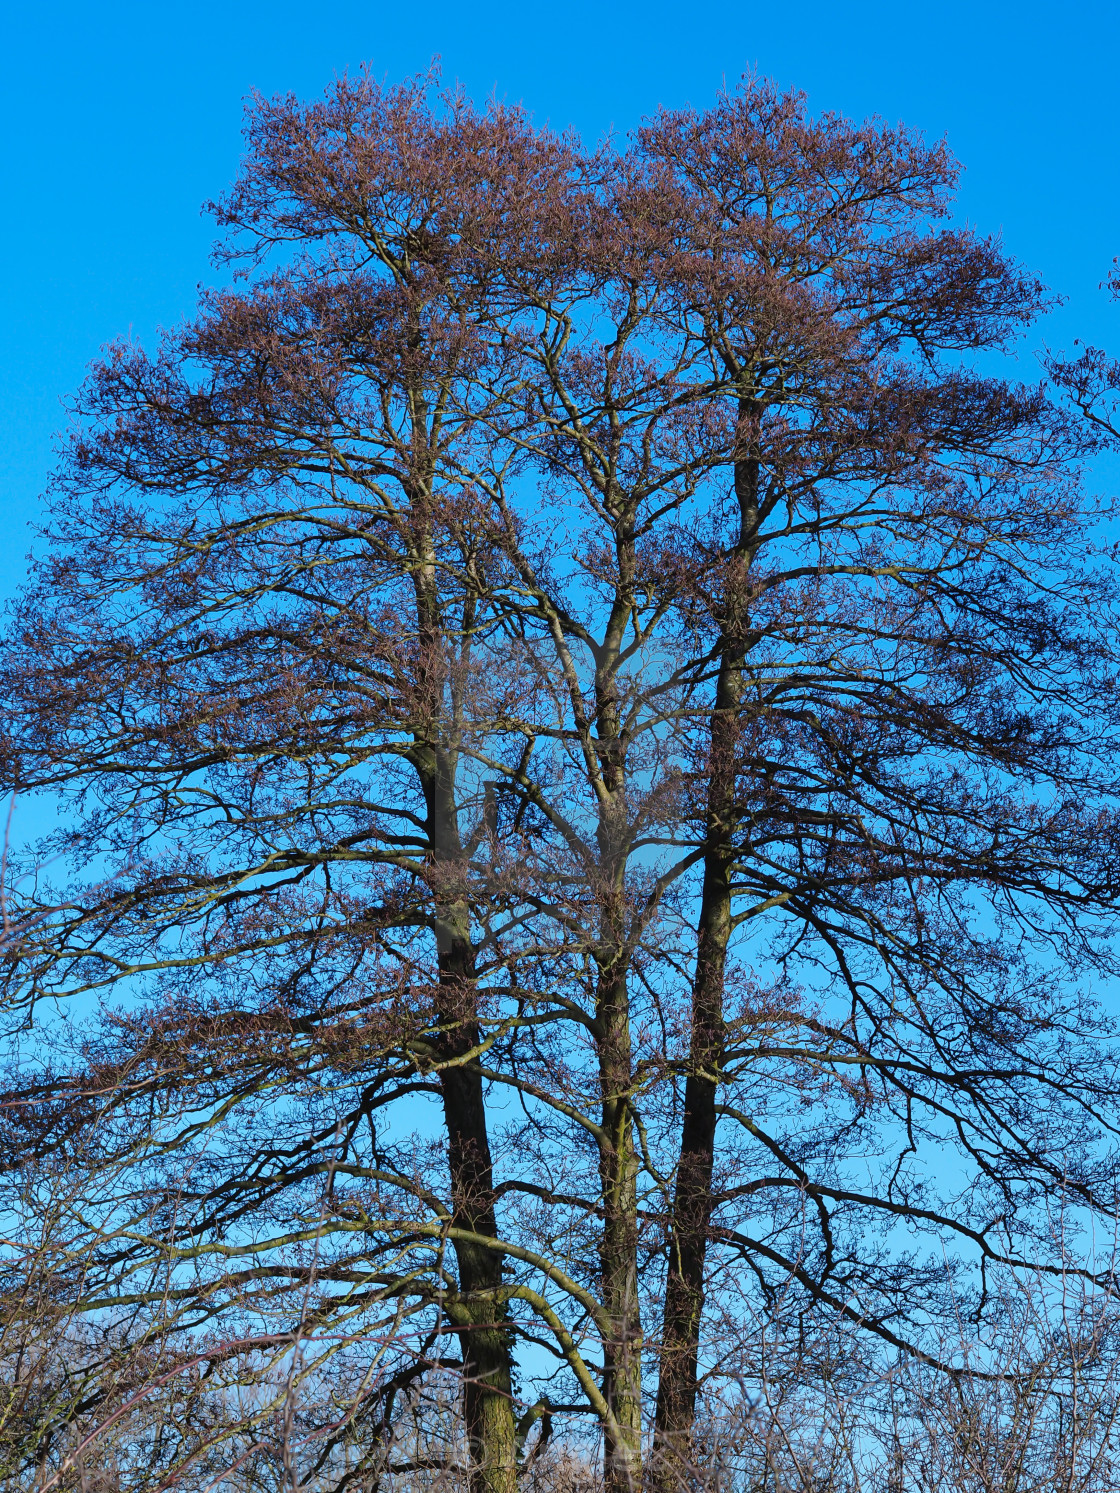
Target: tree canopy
(582, 695)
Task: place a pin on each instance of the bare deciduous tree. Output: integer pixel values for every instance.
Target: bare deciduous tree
(588, 725)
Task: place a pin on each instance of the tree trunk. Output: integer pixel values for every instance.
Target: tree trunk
(618, 1167)
(480, 1314)
(618, 1250)
(692, 1200)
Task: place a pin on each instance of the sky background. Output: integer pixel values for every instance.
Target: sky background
(120, 120)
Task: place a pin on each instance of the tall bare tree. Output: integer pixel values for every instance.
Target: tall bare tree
(586, 724)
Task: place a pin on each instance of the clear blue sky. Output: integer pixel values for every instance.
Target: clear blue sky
(119, 120)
